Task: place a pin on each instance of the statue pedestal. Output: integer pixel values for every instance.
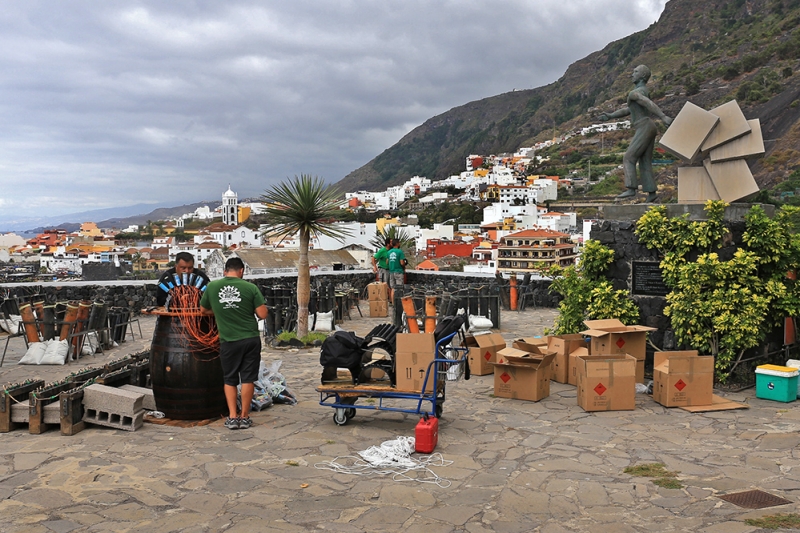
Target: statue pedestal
(632, 212)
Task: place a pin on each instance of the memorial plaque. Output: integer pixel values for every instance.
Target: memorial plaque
(647, 279)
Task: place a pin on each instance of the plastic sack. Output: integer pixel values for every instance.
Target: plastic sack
(479, 323)
(323, 321)
(11, 324)
(55, 353)
(34, 353)
(91, 344)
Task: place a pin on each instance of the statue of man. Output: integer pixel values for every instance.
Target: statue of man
(640, 151)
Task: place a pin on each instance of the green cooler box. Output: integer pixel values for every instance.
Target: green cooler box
(778, 383)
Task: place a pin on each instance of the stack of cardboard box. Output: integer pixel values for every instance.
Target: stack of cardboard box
(378, 295)
(482, 352)
(612, 337)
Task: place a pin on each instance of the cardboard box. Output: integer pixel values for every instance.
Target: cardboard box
(378, 308)
(572, 370)
(521, 349)
(607, 383)
(482, 352)
(682, 379)
(378, 291)
(562, 346)
(612, 337)
(528, 378)
(413, 356)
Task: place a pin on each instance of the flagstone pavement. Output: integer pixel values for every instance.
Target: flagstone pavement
(517, 466)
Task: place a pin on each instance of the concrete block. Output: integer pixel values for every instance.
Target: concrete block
(52, 413)
(695, 186)
(732, 125)
(114, 420)
(149, 401)
(21, 412)
(688, 131)
(732, 179)
(112, 400)
(750, 145)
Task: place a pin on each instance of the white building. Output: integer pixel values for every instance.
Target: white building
(230, 208)
(439, 231)
(548, 187)
(359, 233)
(498, 211)
(561, 222)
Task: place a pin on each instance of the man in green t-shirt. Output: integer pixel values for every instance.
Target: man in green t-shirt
(235, 303)
(397, 267)
(380, 262)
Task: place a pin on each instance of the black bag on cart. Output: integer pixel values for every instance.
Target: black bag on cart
(343, 349)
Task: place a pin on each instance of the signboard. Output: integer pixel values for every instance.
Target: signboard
(647, 279)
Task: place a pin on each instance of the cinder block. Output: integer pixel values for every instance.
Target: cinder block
(114, 420)
(688, 131)
(21, 412)
(732, 179)
(695, 186)
(750, 145)
(106, 399)
(149, 402)
(732, 125)
(52, 413)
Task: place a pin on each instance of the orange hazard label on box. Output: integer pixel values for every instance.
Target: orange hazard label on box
(505, 377)
(680, 385)
(600, 389)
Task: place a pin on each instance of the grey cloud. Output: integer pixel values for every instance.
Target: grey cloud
(117, 103)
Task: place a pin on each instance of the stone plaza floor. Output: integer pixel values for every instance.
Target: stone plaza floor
(517, 466)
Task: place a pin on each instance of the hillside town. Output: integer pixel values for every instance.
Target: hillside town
(516, 233)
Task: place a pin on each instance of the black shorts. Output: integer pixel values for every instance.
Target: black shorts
(240, 360)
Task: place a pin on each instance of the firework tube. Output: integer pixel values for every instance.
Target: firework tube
(29, 322)
(69, 319)
(430, 314)
(411, 318)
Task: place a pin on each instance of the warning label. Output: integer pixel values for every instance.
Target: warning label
(505, 377)
(487, 355)
(680, 385)
(620, 342)
(600, 389)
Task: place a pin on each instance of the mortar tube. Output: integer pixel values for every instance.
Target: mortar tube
(411, 314)
(513, 293)
(39, 308)
(29, 322)
(69, 318)
(430, 314)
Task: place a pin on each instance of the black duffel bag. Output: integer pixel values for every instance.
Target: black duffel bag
(343, 349)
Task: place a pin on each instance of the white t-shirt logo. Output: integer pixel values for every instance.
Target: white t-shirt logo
(230, 297)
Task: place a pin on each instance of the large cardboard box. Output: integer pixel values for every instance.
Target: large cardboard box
(607, 382)
(378, 308)
(682, 379)
(413, 356)
(527, 378)
(529, 351)
(572, 371)
(482, 352)
(612, 337)
(562, 346)
(378, 291)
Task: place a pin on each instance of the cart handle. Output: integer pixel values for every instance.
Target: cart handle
(445, 340)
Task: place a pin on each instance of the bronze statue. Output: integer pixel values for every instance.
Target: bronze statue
(640, 151)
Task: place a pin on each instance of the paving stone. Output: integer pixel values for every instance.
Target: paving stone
(455, 514)
(27, 461)
(203, 503)
(46, 498)
(61, 526)
(729, 527)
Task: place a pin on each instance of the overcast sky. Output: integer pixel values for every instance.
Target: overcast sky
(116, 103)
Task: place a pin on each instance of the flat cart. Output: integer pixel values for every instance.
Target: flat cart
(448, 364)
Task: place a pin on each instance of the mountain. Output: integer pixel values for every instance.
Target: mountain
(706, 51)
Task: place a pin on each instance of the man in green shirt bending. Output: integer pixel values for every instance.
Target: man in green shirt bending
(235, 303)
(397, 267)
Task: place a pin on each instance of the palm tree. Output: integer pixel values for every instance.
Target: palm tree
(303, 205)
(389, 232)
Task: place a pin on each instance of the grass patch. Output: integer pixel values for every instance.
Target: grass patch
(286, 336)
(330, 442)
(775, 521)
(292, 463)
(667, 483)
(661, 476)
(649, 470)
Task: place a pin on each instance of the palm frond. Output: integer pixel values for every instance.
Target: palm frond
(303, 203)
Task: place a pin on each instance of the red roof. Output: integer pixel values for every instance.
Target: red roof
(534, 233)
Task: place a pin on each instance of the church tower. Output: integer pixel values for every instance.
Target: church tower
(230, 208)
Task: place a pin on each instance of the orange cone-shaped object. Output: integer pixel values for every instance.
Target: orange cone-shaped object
(514, 293)
(411, 318)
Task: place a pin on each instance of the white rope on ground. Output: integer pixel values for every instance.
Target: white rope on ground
(393, 458)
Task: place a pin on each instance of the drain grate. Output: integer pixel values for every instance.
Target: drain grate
(754, 499)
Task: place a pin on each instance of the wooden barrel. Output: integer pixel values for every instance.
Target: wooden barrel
(187, 380)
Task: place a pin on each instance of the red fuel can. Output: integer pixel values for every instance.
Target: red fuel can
(426, 435)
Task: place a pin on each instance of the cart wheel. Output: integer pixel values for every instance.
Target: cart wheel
(340, 417)
(350, 412)
(439, 410)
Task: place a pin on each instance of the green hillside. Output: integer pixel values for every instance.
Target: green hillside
(705, 51)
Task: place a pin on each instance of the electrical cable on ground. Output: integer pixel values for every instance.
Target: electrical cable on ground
(391, 458)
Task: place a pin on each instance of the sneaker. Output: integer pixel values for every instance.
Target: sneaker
(245, 423)
(232, 423)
